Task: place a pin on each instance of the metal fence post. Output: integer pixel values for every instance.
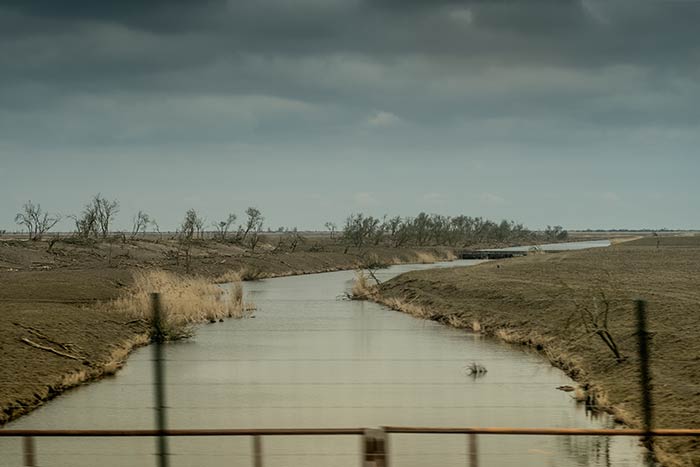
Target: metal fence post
(29, 451)
(375, 448)
(257, 451)
(644, 372)
(473, 450)
(159, 374)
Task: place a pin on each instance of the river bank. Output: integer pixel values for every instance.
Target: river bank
(554, 302)
(55, 334)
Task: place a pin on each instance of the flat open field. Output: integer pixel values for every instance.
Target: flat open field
(50, 297)
(541, 301)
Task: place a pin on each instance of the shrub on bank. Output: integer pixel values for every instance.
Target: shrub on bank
(185, 301)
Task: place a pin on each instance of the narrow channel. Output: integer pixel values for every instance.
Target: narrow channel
(310, 359)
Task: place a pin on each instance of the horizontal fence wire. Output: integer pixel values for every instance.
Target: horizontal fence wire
(667, 432)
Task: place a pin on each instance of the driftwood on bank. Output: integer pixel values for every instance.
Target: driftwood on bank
(49, 349)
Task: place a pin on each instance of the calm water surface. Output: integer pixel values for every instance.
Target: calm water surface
(309, 359)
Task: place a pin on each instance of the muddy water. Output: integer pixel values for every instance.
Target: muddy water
(308, 359)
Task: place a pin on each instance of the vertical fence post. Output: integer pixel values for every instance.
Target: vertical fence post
(257, 451)
(644, 372)
(473, 450)
(159, 374)
(375, 452)
(28, 449)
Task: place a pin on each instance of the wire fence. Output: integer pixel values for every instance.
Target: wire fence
(375, 442)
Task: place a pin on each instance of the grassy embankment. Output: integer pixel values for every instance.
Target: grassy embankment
(71, 313)
(544, 302)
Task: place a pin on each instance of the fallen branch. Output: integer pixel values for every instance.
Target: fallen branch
(68, 346)
(49, 349)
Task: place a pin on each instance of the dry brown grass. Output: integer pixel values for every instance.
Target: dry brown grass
(118, 357)
(185, 301)
(74, 379)
(425, 257)
(450, 256)
(251, 273)
(362, 288)
(526, 304)
(114, 363)
(406, 307)
(228, 277)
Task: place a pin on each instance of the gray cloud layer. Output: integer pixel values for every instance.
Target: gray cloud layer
(529, 79)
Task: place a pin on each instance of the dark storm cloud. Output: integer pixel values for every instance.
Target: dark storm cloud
(166, 15)
(429, 62)
(567, 30)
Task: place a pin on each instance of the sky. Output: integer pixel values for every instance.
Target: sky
(580, 113)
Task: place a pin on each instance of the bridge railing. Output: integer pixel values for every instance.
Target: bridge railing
(375, 445)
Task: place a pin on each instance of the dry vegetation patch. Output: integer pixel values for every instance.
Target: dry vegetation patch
(185, 301)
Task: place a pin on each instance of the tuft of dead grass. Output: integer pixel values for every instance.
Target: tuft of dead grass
(228, 277)
(185, 301)
(251, 273)
(450, 256)
(74, 379)
(118, 357)
(406, 307)
(362, 288)
(425, 257)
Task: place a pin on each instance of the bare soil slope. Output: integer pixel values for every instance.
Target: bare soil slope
(540, 301)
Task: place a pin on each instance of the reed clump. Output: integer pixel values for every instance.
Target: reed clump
(228, 277)
(185, 301)
(251, 273)
(425, 257)
(362, 288)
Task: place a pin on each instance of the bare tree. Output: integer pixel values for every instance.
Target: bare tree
(86, 223)
(254, 222)
(36, 221)
(294, 239)
(556, 233)
(594, 317)
(188, 228)
(141, 222)
(592, 314)
(156, 227)
(359, 229)
(105, 211)
(331, 227)
(96, 217)
(199, 226)
(222, 227)
(398, 230)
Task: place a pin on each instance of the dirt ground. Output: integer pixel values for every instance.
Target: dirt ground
(543, 301)
(53, 332)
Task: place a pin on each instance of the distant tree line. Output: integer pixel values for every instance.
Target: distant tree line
(361, 230)
(96, 219)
